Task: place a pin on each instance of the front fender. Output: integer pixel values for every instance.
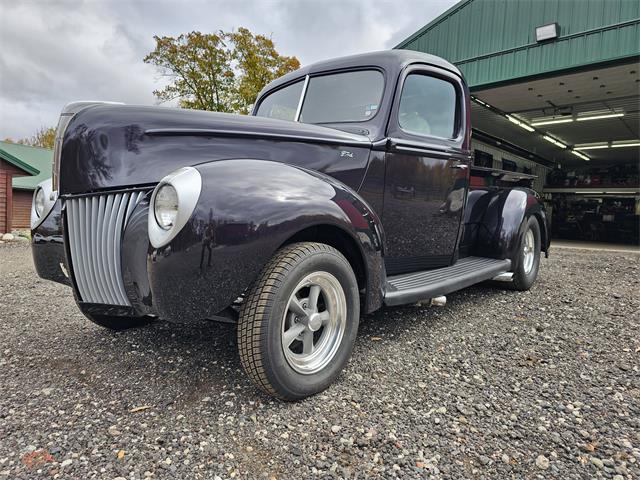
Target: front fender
(247, 209)
(498, 232)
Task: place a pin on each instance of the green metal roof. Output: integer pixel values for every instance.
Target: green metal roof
(493, 41)
(34, 160)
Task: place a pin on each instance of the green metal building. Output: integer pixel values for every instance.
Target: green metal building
(555, 86)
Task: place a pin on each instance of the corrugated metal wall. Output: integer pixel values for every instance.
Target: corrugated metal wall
(494, 40)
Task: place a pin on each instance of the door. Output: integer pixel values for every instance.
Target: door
(427, 168)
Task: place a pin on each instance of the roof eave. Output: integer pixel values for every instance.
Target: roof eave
(6, 156)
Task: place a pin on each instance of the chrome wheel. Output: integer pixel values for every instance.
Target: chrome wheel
(314, 323)
(529, 251)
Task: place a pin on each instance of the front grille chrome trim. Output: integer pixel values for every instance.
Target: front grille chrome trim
(96, 224)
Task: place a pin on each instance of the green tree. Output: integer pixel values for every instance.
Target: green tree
(44, 137)
(218, 71)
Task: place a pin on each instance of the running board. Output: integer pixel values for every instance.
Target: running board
(412, 287)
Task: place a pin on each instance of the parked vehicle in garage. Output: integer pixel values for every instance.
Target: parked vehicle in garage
(346, 190)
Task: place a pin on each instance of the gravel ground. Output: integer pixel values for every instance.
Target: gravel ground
(542, 384)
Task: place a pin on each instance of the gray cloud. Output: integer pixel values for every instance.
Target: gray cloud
(54, 52)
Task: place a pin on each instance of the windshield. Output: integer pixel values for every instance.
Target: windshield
(340, 97)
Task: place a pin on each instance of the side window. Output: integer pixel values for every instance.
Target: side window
(428, 106)
(282, 104)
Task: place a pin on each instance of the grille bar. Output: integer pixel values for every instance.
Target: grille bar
(95, 225)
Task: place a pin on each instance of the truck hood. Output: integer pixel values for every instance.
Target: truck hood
(118, 146)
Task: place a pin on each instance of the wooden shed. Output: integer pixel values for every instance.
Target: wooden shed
(21, 169)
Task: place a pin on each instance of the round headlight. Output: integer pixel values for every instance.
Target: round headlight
(38, 202)
(165, 206)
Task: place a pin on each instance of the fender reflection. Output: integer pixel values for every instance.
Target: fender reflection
(247, 209)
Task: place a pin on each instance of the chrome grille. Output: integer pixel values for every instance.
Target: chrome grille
(95, 224)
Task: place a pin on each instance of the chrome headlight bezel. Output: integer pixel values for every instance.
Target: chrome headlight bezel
(187, 184)
(45, 189)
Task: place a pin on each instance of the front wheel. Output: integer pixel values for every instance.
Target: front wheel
(528, 259)
(299, 322)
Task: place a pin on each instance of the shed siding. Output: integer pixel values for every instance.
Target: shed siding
(7, 171)
(493, 41)
(22, 209)
(3, 200)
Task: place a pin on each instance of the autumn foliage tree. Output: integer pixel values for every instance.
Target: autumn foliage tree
(44, 137)
(257, 62)
(221, 71)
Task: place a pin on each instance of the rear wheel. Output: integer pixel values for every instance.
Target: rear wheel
(298, 323)
(528, 260)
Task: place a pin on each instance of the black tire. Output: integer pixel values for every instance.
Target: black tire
(523, 279)
(116, 323)
(262, 316)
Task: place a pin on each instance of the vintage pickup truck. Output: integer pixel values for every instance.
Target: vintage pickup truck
(346, 189)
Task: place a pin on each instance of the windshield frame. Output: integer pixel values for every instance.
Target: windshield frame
(307, 78)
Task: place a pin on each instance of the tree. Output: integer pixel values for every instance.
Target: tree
(44, 137)
(218, 71)
(199, 70)
(257, 63)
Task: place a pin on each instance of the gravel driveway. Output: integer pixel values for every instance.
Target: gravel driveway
(542, 384)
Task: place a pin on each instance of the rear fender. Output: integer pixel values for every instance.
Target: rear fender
(498, 220)
(246, 210)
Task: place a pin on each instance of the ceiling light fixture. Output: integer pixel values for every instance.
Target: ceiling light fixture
(580, 155)
(477, 100)
(625, 143)
(591, 146)
(558, 143)
(551, 121)
(521, 124)
(598, 117)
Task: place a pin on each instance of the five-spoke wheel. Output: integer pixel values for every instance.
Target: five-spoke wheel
(314, 322)
(529, 251)
(527, 261)
(299, 321)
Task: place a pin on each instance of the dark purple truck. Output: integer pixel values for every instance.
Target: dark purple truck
(347, 189)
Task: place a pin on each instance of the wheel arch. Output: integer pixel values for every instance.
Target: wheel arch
(541, 217)
(339, 239)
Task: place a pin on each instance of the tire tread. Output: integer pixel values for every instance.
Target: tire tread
(256, 308)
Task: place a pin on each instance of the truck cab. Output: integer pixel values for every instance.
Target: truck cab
(347, 189)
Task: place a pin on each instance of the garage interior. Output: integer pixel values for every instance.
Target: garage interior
(580, 134)
(555, 93)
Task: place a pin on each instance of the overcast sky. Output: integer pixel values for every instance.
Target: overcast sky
(53, 52)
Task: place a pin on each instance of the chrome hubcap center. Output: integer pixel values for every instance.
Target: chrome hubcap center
(315, 322)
